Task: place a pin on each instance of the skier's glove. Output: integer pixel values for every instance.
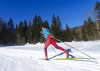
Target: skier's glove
(41, 32)
(51, 36)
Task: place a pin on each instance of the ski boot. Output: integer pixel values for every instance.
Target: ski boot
(46, 58)
(67, 53)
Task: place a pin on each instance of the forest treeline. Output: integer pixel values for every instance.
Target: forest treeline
(30, 31)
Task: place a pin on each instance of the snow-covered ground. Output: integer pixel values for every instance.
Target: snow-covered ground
(28, 57)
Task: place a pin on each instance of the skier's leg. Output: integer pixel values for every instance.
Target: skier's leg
(56, 46)
(47, 43)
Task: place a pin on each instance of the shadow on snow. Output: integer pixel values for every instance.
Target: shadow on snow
(63, 53)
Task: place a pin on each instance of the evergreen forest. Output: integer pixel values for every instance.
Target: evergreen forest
(27, 31)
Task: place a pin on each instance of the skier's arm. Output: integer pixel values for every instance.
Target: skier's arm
(46, 32)
(50, 35)
(41, 32)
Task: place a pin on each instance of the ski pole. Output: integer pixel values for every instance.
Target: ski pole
(54, 50)
(74, 48)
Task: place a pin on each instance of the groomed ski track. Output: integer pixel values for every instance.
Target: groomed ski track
(27, 58)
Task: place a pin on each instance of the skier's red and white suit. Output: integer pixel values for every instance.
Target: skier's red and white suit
(51, 41)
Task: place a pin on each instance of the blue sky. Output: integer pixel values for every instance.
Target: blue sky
(71, 12)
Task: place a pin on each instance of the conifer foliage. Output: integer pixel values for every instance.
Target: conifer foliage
(56, 27)
(30, 31)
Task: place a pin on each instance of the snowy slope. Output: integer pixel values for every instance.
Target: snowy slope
(28, 57)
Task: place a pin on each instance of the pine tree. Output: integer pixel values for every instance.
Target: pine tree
(11, 26)
(40, 24)
(59, 25)
(4, 36)
(4, 33)
(1, 22)
(97, 9)
(58, 28)
(74, 35)
(90, 29)
(0, 30)
(63, 35)
(53, 25)
(20, 34)
(29, 34)
(11, 32)
(16, 39)
(97, 18)
(35, 29)
(25, 30)
(85, 35)
(68, 33)
(21, 29)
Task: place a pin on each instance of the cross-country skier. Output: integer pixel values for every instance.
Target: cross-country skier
(50, 40)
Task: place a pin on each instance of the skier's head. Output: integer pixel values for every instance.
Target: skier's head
(43, 27)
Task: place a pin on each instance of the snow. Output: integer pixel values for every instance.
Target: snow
(28, 57)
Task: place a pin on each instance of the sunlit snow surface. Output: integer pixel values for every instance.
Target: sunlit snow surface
(28, 57)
